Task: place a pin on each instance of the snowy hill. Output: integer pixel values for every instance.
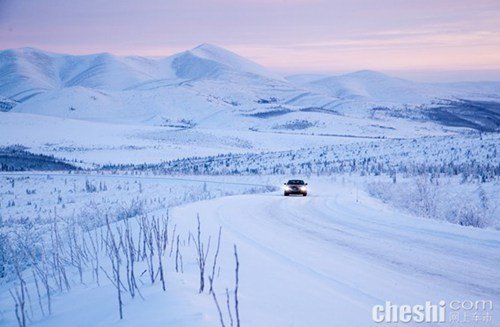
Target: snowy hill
(209, 61)
(369, 93)
(27, 72)
(209, 86)
(206, 85)
(372, 86)
(28, 69)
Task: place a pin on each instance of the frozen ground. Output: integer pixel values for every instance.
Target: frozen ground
(328, 258)
(103, 143)
(323, 259)
(31, 202)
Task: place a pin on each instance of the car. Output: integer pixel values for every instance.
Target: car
(295, 186)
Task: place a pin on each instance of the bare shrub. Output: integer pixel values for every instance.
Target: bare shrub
(469, 214)
(201, 254)
(431, 198)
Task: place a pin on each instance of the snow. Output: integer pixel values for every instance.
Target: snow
(374, 86)
(209, 133)
(329, 257)
(314, 260)
(208, 60)
(214, 88)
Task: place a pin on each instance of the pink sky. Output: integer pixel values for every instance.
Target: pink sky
(424, 39)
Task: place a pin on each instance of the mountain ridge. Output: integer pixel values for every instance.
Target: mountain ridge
(210, 85)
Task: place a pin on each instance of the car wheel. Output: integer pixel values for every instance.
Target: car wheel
(286, 194)
(304, 194)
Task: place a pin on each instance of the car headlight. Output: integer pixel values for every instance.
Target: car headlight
(302, 188)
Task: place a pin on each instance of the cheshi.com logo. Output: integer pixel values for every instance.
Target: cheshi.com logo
(456, 311)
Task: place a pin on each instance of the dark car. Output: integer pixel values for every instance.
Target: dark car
(295, 186)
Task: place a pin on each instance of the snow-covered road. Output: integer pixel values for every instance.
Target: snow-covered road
(326, 259)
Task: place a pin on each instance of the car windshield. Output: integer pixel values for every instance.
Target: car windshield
(296, 181)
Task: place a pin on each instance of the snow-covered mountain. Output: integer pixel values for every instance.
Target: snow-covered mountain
(205, 84)
(213, 87)
(27, 71)
(372, 86)
(209, 61)
(368, 93)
